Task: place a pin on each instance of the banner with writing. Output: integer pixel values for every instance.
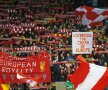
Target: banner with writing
(33, 66)
(82, 42)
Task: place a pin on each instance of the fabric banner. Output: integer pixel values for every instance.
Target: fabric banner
(91, 16)
(89, 76)
(33, 66)
(82, 42)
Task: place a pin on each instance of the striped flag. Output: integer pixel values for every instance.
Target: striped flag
(91, 16)
(89, 77)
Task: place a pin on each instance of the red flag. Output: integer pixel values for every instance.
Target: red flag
(89, 77)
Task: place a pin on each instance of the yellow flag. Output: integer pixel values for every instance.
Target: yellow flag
(5, 86)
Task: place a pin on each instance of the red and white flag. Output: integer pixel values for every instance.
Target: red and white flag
(31, 80)
(89, 77)
(91, 16)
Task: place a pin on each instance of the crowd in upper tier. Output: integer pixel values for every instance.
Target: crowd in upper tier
(48, 25)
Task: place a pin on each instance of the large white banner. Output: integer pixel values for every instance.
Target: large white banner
(82, 42)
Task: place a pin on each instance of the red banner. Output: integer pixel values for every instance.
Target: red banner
(33, 66)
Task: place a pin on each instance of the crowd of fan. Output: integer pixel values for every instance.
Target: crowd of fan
(48, 24)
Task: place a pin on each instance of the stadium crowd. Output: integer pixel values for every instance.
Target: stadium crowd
(48, 25)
